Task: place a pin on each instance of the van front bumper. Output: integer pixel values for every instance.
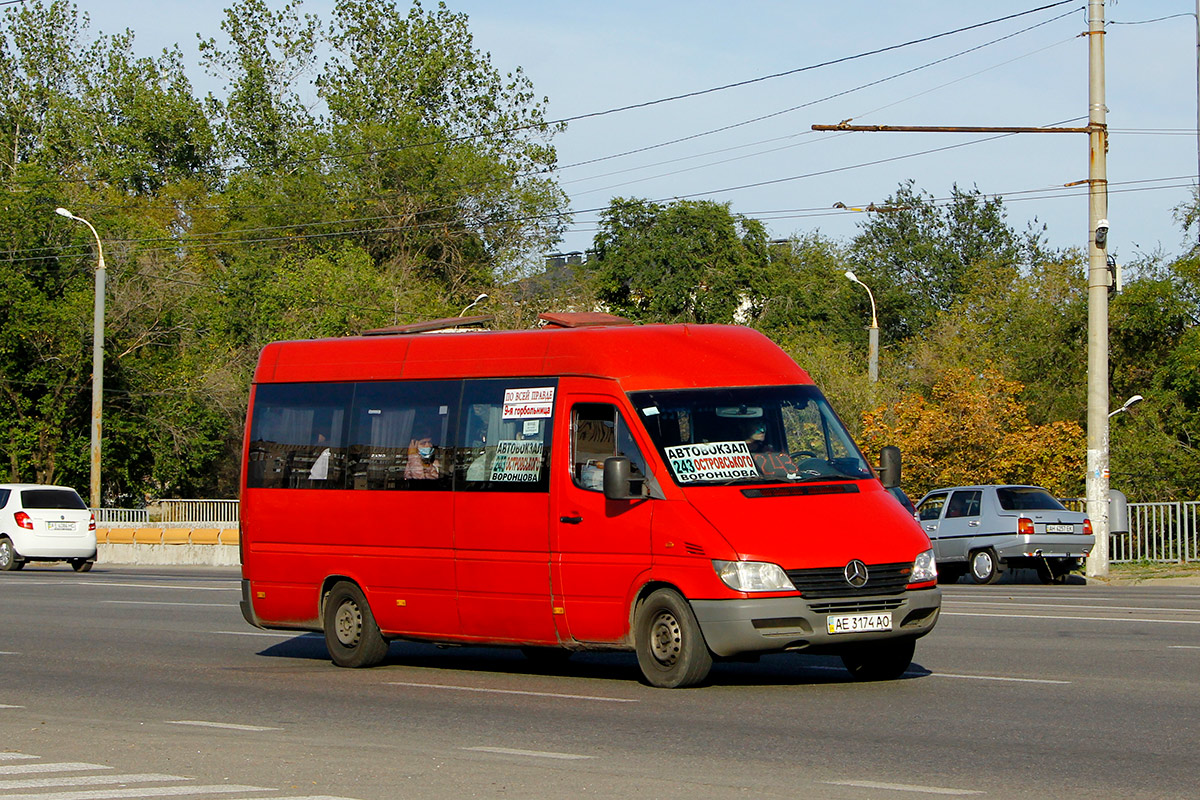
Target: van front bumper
(765, 625)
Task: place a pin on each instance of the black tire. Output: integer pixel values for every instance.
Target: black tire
(351, 635)
(670, 647)
(879, 661)
(950, 573)
(9, 559)
(81, 565)
(985, 566)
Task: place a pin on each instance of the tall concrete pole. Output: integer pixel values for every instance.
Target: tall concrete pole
(1098, 280)
(97, 357)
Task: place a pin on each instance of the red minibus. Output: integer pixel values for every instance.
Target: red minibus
(682, 491)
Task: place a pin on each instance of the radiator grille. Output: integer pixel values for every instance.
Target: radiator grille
(831, 581)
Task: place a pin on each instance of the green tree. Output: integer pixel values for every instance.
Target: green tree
(690, 261)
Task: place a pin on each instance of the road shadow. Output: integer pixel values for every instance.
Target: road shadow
(774, 669)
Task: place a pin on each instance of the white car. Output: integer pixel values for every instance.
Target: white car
(45, 523)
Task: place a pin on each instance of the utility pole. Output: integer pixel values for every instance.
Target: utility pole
(1098, 274)
(1098, 280)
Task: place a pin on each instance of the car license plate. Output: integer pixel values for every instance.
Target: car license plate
(60, 526)
(1060, 528)
(859, 623)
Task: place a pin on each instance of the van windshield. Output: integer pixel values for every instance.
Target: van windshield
(760, 434)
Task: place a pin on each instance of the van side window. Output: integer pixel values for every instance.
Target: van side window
(598, 432)
(401, 435)
(963, 504)
(501, 452)
(931, 509)
(297, 436)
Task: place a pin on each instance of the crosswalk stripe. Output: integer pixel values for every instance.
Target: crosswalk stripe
(42, 766)
(86, 780)
(147, 791)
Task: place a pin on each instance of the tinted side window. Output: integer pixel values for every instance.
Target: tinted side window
(298, 437)
(4, 493)
(51, 498)
(401, 435)
(963, 504)
(931, 508)
(504, 435)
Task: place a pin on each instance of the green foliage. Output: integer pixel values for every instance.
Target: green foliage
(690, 261)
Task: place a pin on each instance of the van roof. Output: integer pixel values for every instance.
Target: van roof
(638, 356)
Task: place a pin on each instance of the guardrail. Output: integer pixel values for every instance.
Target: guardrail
(216, 512)
(1159, 532)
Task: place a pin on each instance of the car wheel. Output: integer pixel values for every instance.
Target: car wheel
(670, 647)
(985, 567)
(9, 560)
(351, 635)
(81, 565)
(879, 661)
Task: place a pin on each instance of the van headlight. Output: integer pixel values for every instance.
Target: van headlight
(924, 569)
(753, 576)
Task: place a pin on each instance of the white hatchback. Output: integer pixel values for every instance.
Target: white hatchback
(45, 523)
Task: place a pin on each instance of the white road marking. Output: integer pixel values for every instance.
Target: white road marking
(42, 766)
(514, 691)
(904, 787)
(1183, 647)
(276, 634)
(1001, 603)
(8, 653)
(2, 705)
(144, 791)
(509, 751)
(87, 780)
(996, 678)
(1072, 619)
(96, 583)
(165, 603)
(223, 725)
(15, 756)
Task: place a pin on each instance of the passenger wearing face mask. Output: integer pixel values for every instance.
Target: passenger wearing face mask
(422, 458)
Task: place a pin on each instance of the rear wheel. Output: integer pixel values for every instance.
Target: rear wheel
(351, 635)
(670, 647)
(985, 567)
(879, 661)
(9, 560)
(81, 565)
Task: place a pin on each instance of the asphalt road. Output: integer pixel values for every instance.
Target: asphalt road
(146, 682)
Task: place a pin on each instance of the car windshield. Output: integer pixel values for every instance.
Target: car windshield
(51, 498)
(1027, 498)
(761, 434)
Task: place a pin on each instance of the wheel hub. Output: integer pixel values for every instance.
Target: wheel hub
(348, 624)
(665, 639)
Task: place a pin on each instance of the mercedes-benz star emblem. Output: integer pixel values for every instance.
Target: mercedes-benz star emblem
(856, 574)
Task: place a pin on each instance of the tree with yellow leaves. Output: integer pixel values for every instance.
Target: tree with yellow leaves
(974, 429)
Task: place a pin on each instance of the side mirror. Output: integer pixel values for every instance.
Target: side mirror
(616, 478)
(889, 467)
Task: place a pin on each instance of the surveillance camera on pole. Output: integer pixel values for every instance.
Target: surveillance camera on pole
(1102, 233)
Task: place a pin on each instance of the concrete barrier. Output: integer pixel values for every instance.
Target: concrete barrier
(173, 545)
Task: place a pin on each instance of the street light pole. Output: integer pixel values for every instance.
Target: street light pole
(1098, 283)
(873, 357)
(97, 358)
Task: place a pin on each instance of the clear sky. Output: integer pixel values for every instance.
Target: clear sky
(593, 56)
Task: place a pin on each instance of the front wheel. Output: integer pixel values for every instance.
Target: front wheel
(879, 661)
(9, 560)
(670, 647)
(351, 635)
(985, 567)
